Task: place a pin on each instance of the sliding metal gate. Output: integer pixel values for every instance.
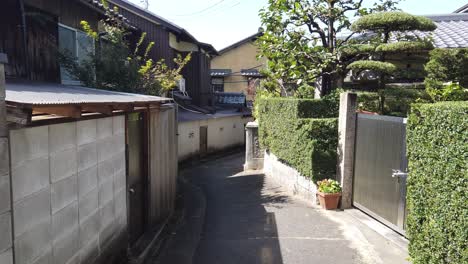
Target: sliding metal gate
(380, 163)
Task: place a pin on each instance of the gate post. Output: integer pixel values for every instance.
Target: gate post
(346, 142)
(253, 151)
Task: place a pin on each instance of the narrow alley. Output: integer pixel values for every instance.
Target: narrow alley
(249, 219)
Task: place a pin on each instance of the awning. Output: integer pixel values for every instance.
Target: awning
(25, 99)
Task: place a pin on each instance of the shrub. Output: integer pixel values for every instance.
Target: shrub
(447, 66)
(397, 101)
(329, 186)
(437, 191)
(301, 133)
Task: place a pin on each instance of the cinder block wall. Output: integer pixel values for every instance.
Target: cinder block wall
(6, 253)
(69, 191)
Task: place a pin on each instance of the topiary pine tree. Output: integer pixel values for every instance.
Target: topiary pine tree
(392, 33)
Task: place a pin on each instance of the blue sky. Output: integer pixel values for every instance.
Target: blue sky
(223, 22)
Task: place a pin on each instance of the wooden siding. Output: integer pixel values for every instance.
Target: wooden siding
(198, 79)
(155, 33)
(42, 17)
(11, 39)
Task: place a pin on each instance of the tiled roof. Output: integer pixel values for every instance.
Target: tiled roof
(451, 32)
(220, 72)
(251, 73)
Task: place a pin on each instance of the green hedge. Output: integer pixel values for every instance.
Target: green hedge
(301, 133)
(437, 223)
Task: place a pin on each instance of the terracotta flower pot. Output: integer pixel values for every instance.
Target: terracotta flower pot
(329, 201)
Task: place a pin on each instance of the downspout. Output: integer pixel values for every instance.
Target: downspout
(24, 38)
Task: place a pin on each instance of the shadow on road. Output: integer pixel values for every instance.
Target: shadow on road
(238, 228)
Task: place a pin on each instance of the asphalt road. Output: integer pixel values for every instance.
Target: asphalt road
(248, 220)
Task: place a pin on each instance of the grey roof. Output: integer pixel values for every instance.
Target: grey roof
(451, 32)
(463, 9)
(187, 116)
(220, 72)
(242, 42)
(55, 94)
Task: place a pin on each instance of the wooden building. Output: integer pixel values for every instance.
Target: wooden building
(90, 173)
(171, 40)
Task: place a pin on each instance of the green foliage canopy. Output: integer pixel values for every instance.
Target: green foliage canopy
(393, 21)
(376, 66)
(300, 39)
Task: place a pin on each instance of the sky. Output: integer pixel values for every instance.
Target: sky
(224, 22)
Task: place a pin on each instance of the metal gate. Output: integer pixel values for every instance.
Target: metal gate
(380, 162)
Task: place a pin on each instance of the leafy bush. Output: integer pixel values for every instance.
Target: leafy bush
(446, 67)
(437, 195)
(115, 65)
(301, 133)
(397, 101)
(328, 186)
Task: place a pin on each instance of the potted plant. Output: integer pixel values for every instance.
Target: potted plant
(329, 192)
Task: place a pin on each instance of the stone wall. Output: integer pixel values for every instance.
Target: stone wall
(289, 178)
(68, 191)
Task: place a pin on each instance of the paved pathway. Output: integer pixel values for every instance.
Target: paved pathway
(251, 220)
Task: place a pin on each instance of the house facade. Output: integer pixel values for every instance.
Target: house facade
(237, 69)
(171, 40)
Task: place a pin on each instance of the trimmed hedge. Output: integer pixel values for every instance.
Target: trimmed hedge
(301, 133)
(437, 193)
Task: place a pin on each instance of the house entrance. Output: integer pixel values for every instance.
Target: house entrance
(380, 162)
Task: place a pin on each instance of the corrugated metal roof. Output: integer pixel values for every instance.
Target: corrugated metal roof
(56, 94)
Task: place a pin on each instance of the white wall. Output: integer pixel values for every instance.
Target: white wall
(223, 133)
(69, 190)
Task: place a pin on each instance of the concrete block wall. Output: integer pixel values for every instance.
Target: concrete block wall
(289, 178)
(69, 192)
(6, 252)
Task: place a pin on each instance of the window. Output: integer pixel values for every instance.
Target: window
(78, 44)
(217, 84)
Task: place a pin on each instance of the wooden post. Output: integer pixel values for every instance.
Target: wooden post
(3, 126)
(346, 145)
